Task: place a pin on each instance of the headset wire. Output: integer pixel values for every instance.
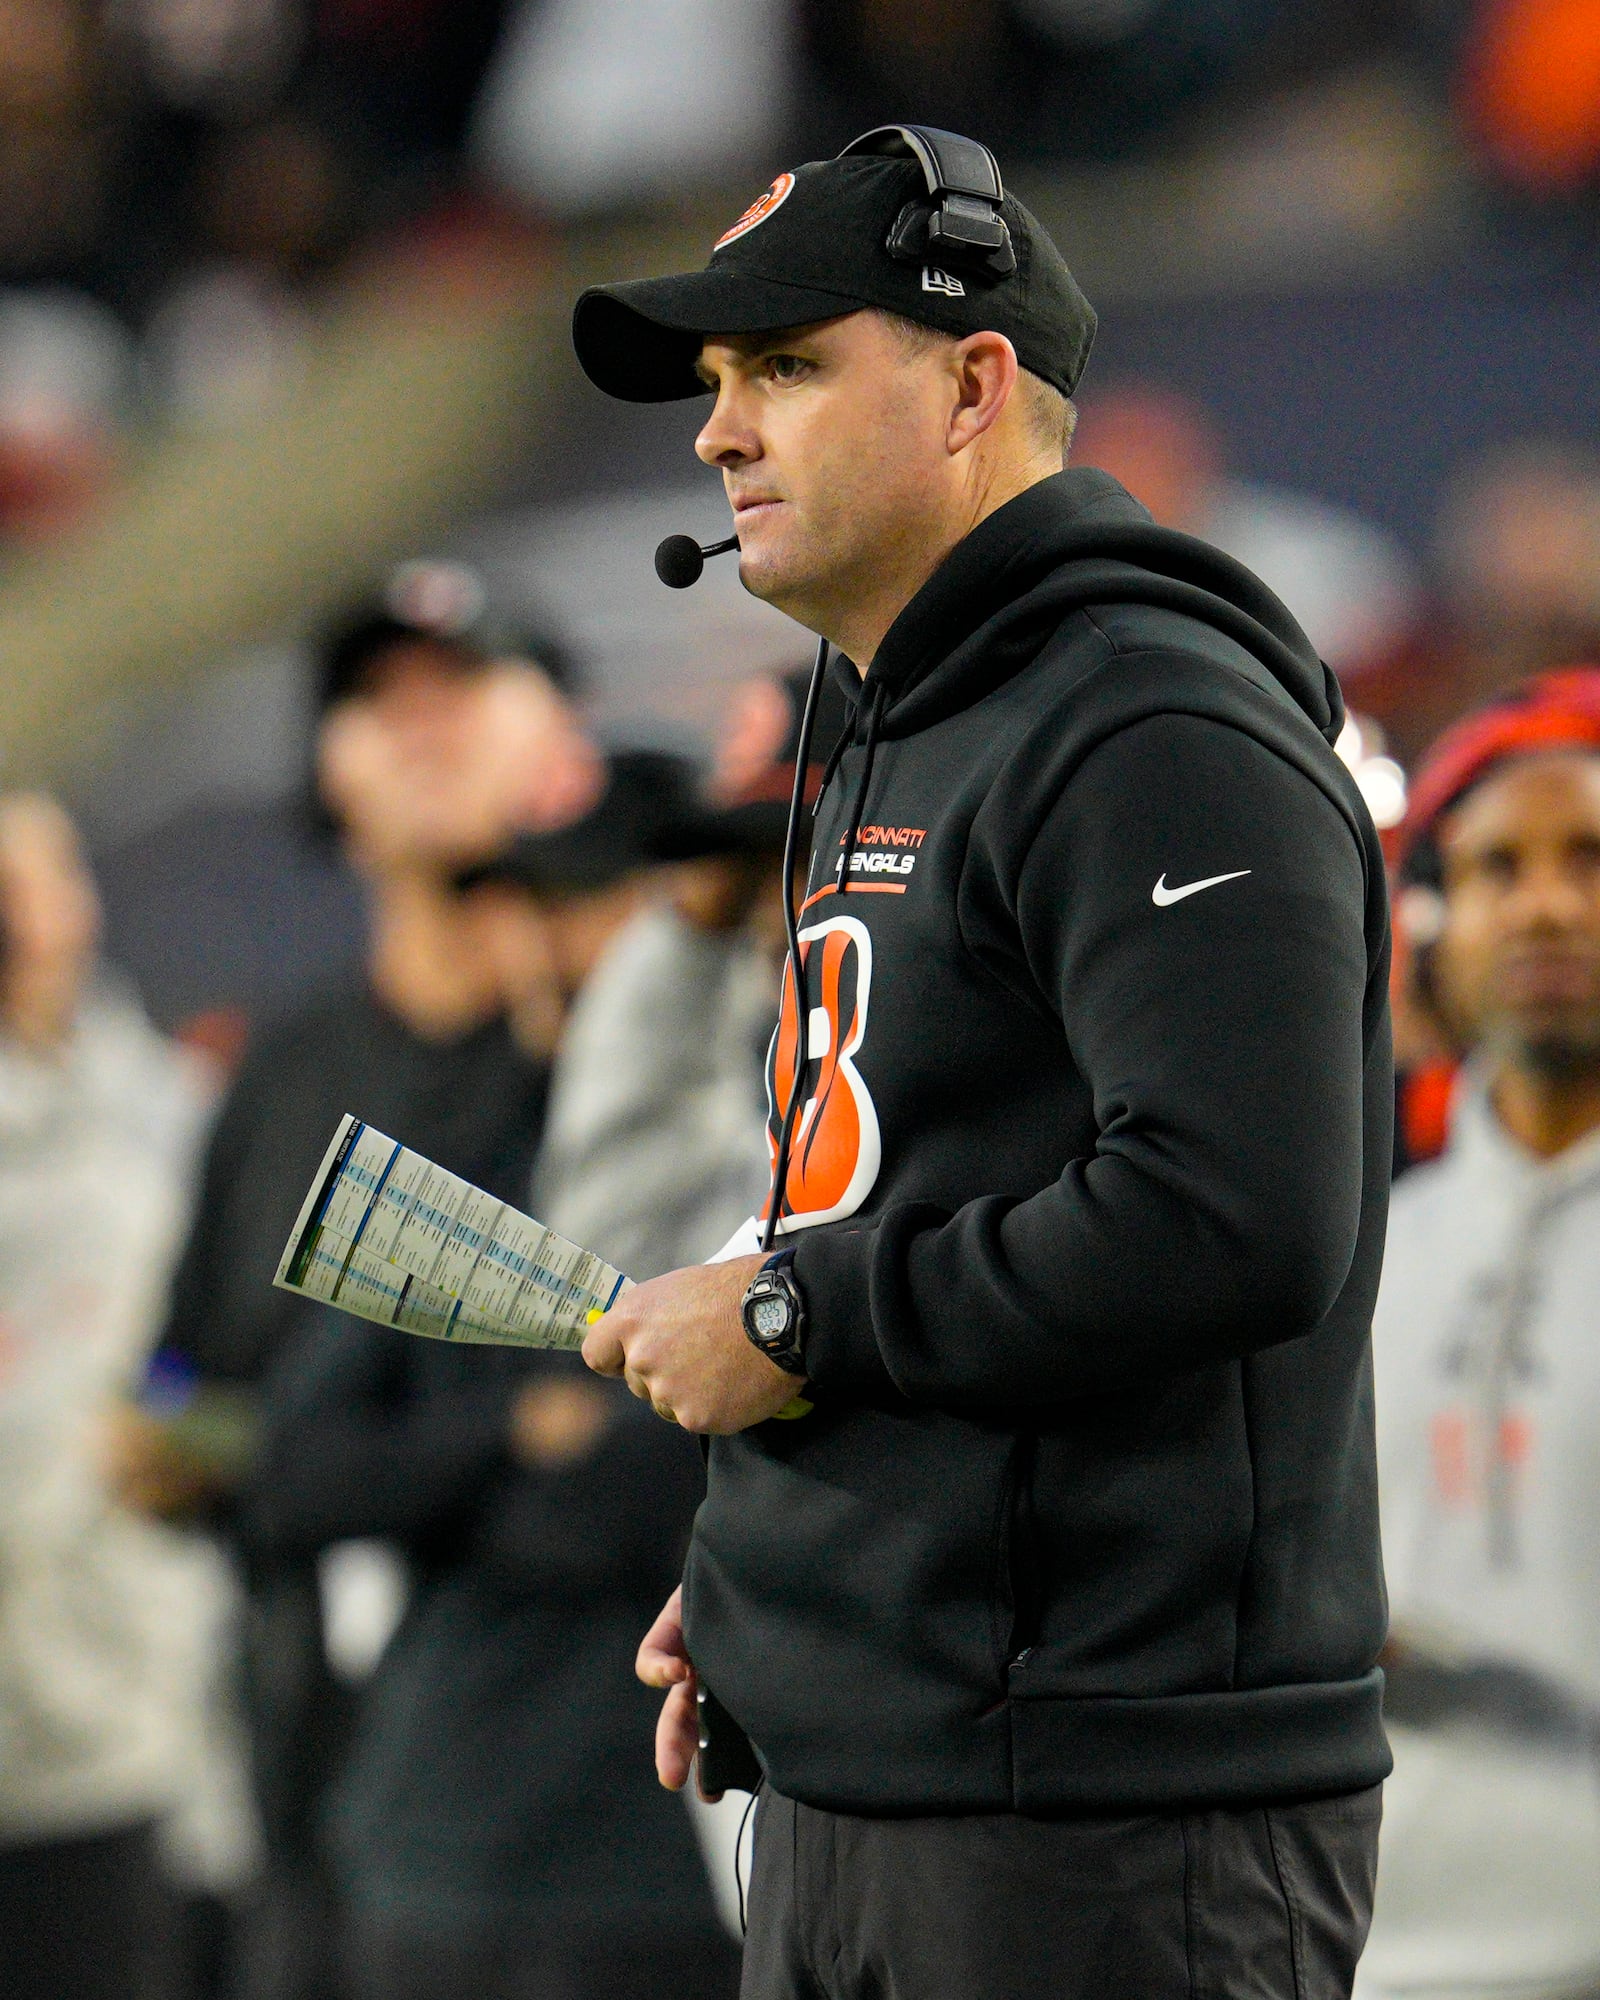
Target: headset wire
(791, 915)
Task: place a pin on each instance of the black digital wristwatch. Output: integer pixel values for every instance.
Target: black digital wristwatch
(775, 1314)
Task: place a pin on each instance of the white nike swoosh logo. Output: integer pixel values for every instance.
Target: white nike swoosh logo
(1161, 895)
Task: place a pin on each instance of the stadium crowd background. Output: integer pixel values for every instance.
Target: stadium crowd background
(283, 300)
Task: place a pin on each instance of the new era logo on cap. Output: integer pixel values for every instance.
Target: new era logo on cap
(758, 211)
(935, 280)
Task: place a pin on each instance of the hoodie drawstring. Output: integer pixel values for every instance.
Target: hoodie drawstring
(875, 707)
(835, 757)
(791, 924)
(876, 703)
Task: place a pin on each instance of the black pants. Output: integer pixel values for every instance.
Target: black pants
(1267, 1903)
(87, 1918)
(389, 1961)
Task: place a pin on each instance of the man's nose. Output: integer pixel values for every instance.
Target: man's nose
(1552, 898)
(727, 438)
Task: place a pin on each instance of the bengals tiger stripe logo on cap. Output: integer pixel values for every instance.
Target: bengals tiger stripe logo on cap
(758, 211)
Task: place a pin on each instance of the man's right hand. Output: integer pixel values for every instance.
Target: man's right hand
(664, 1662)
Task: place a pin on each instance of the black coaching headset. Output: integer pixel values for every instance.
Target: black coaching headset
(960, 223)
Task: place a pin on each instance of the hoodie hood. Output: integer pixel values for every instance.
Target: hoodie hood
(1073, 540)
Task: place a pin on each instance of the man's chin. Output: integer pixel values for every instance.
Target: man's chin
(767, 575)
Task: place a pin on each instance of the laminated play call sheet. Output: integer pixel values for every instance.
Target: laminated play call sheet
(387, 1235)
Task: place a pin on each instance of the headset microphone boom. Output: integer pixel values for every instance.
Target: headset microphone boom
(680, 559)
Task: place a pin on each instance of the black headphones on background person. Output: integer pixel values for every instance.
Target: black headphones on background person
(963, 228)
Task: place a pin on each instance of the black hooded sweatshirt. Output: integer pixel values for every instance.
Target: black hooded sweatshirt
(1088, 1201)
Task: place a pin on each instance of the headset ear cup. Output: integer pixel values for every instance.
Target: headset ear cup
(963, 235)
(918, 238)
(908, 237)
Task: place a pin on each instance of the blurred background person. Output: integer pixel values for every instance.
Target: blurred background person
(1515, 587)
(655, 1146)
(436, 740)
(1350, 585)
(652, 1136)
(1487, 1358)
(103, 1619)
(66, 369)
(494, 1830)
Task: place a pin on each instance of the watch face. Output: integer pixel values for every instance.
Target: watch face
(771, 1317)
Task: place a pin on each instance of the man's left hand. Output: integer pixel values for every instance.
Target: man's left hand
(679, 1342)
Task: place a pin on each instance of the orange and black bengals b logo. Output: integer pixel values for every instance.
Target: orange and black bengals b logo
(758, 211)
(835, 1152)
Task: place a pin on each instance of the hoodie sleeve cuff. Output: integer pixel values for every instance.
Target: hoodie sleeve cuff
(833, 1268)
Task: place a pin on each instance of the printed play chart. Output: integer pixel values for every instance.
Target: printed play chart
(389, 1236)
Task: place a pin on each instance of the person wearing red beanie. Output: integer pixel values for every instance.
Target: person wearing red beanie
(1486, 1346)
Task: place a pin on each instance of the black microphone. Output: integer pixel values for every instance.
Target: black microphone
(680, 559)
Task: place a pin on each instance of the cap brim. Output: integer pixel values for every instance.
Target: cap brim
(557, 864)
(639, 341)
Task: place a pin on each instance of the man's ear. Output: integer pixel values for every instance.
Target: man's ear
(984, 371)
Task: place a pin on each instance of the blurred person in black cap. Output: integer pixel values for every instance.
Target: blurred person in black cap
(439, 734)
(664, 985)
(654, 1148)
(493, 1831)
(1039, 1559)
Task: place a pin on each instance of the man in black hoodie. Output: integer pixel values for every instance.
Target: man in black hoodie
(1051, 1606)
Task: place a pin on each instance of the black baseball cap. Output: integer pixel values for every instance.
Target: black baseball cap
(444, 604)
(637, 821)
(817, 245)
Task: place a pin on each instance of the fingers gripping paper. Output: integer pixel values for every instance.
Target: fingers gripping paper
(391, 1237)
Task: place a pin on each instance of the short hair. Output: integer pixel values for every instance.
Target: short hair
(1051, 417)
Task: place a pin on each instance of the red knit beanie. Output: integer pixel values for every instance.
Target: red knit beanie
(1553, 711)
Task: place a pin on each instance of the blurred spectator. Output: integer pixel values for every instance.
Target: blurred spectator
(1487, 1356)
(65, 382)
(225, 58)
(103, 1619)
(597, 104)
(1517, 577)
(437, 739)
(406, 72)
(497, 1829)
(1530, 91)
(52, 150)
(199, 165)
(1068, 79)
(1347, 583)
(652, 1141)
(1519, 545)
(655, 1147)
(229, 333)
